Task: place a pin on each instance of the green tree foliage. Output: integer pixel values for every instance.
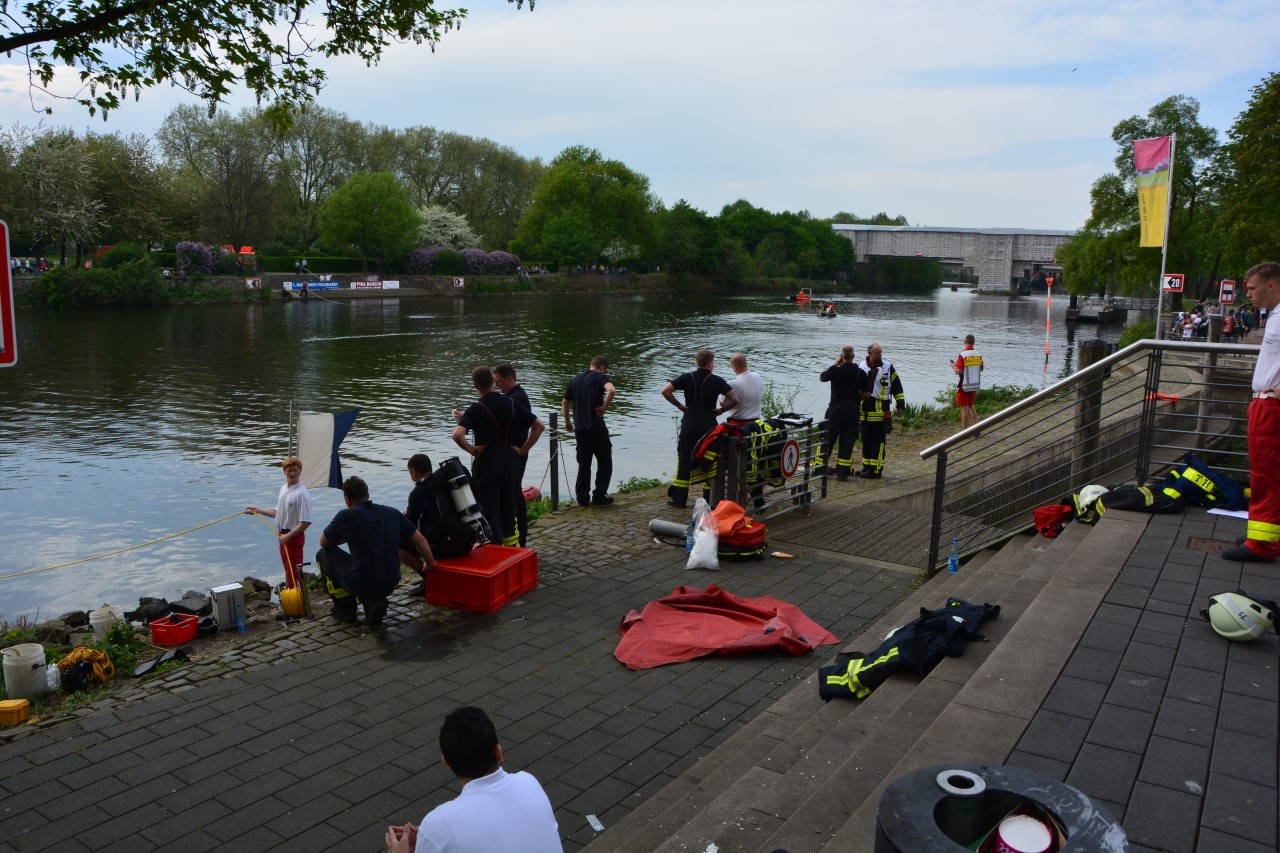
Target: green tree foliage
(615, 200)
(371, 212)
(308, 161)
(132, 186)
(568, 238)
(787, 244)
(132, 283)
(1249, 223)
(688, 240)
(225, 163)
(121, 48)
(881, 218)
(1104, 255)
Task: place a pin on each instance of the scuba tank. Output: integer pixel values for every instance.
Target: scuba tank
(464, 500)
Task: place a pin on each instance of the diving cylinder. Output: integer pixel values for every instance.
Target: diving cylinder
(464, 500)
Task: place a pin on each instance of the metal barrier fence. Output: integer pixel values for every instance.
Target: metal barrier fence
(1126, 417)
(770, 473)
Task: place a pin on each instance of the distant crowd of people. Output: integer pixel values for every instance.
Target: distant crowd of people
(28, 266)
(1237, 324)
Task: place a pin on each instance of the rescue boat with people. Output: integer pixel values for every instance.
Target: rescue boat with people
(827, 310)
(805, 295)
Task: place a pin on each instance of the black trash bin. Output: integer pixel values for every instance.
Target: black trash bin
(949, 808)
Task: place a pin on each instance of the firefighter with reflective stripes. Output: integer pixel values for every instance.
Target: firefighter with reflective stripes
(877, 410)
(848, 389)
(1262, 543)
(702, 392)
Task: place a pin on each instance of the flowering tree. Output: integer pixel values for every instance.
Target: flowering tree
(197, 259)
(442, 227)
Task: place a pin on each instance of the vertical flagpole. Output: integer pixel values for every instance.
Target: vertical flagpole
(293, 435)
(1048, 313)
(1164, 243)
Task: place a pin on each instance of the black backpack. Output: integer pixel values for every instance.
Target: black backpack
(447, 534)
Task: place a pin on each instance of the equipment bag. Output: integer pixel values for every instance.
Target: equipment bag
(747, 541)
(1051, 518)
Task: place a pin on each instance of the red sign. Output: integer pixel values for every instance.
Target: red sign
(1048, 280)
(1173, 282)
(790, 460)
(8, 329)
(1227, 291)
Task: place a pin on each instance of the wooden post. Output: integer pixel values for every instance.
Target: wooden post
(1088, 414)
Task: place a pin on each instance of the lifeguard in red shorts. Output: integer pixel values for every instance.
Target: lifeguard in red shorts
(292, 513)
(968, 367)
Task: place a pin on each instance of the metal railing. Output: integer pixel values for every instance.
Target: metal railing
(773, 473)
(1127, 417)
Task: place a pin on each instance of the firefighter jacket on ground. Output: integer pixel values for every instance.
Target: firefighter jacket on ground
(1199, 485)
(917, 646)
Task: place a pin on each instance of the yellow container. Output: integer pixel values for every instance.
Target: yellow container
(13, 711)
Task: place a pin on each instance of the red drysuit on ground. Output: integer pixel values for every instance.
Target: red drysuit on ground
(692, 623)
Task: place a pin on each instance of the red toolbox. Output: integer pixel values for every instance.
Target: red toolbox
(483, 580)
(174, 629)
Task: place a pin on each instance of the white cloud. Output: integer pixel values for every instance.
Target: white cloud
(981, 113)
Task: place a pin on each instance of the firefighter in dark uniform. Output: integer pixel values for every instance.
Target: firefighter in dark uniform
(702, 391)
(849, 387)
(495, 470)
(877, 410)
(504, 376)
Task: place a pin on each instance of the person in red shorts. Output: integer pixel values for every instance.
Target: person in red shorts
(292, 513)
(968, 367)
(1262, 543)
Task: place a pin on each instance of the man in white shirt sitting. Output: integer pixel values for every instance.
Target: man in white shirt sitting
(497, 812)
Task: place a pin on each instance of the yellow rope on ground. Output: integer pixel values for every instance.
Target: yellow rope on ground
(131, 547)
(103, 668)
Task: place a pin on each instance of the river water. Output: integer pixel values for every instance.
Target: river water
(123, 426)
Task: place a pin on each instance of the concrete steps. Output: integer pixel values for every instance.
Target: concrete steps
(805, 773)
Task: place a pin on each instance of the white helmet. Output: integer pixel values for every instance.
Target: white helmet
(1236, 616)
(1089, 494)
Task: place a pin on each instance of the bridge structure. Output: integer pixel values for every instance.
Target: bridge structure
(998, 257)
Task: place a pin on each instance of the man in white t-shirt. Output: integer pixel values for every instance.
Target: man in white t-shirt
(497, 811)
(748, 391)
(292, 513)
(1262, 543)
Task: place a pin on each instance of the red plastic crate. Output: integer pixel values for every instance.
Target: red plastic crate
(174, 629)
(484, 580)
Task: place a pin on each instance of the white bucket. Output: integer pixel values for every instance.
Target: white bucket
(100, 620)
(24, 671)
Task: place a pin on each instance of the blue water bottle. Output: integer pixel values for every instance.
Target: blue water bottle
(688, 538)
(953, 559)
(240, 623)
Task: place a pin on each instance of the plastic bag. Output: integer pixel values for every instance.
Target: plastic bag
(705, 540)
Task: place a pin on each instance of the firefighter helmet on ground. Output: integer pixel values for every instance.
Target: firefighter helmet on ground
(1236, 616)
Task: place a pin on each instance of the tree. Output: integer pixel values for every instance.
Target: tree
(881, 218)
(56, 197)
(131, 186)
(1249, 222)
(226, 163)
(123, 46)
(440, 227)
(371, 211)
(615, 200)
(568, 238)
(310, 160)
(1105, 253)
(689, 240)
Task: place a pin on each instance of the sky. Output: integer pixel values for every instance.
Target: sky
(979, 114)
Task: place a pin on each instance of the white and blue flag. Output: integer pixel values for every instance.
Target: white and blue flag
(319, 436)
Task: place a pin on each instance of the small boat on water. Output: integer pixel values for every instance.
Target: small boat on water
(828, 310)
(805, 295)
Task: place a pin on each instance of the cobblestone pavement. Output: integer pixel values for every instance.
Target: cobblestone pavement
(321, 737)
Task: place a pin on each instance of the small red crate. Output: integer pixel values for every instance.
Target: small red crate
(174, 629)
(484, 580)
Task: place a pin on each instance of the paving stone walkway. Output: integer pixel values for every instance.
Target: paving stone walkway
(321, 737)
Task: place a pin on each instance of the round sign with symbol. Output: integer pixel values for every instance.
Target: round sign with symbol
(790, 460)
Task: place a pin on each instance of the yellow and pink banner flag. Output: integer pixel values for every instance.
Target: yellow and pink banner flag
(1153, 161)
